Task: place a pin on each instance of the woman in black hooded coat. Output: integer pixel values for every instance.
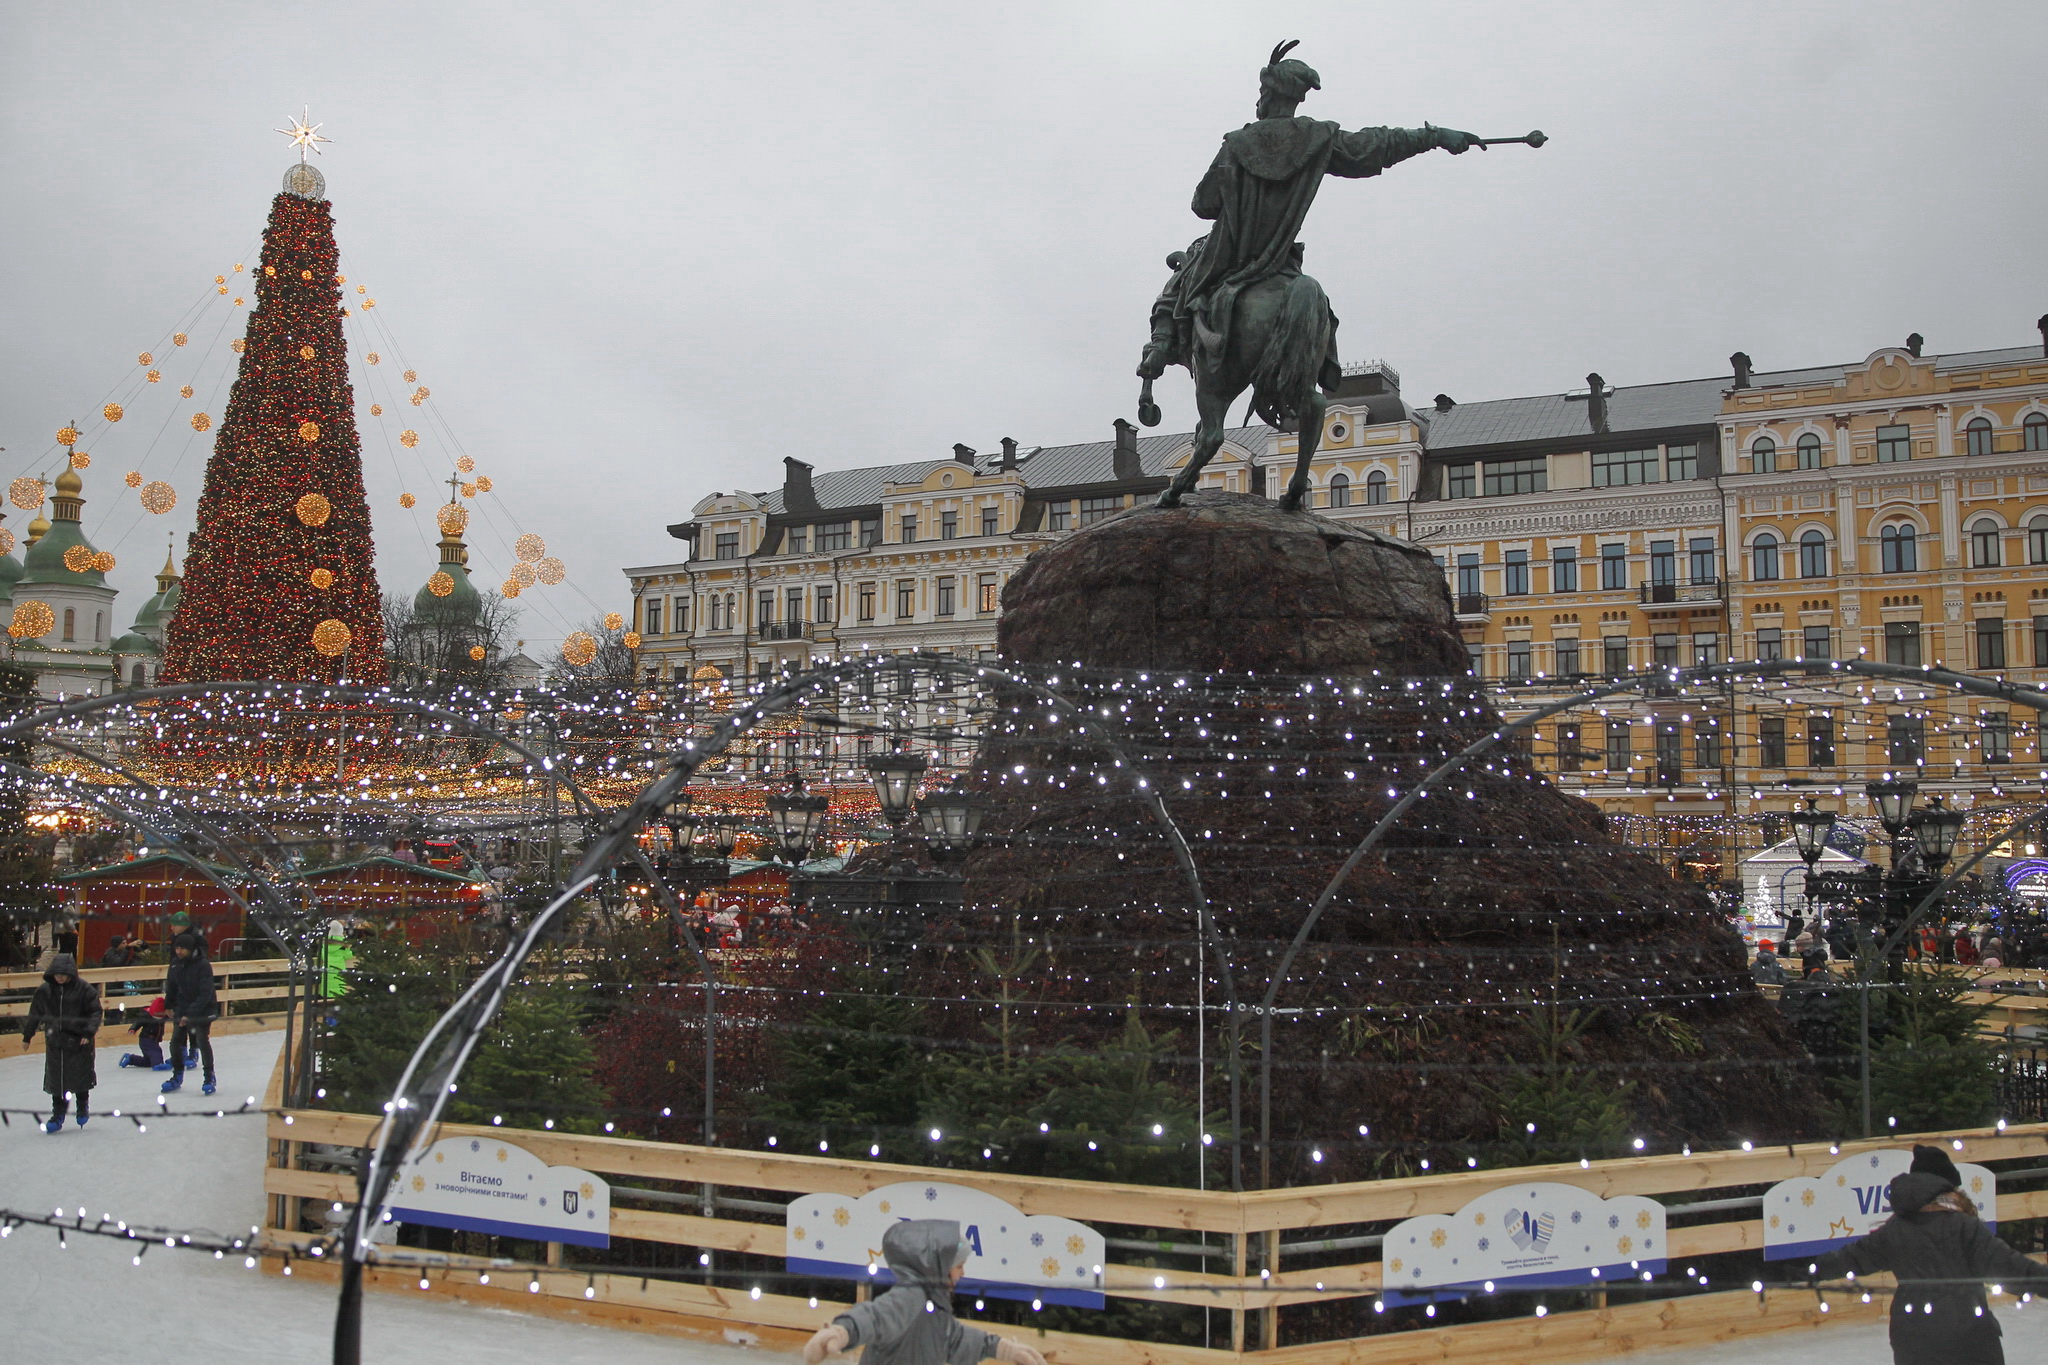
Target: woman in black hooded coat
(1942, 1254)
(67, 1010)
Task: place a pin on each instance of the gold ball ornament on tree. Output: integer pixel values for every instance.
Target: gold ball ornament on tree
(26, 493)
(631, 639)
(67, 436)
(408, 438)
(158, 497)
(305, 274)
(406, 499)
(441, 584)
(32, 620)
(453, 519)
(521, 573)
(305, 352)
(331, 637)
(313, 509)
(529, 547)
(201, 422)
(321, 578)
(550, 571)
(112, 412)
(613, 621)
(239, 344)
(309, 431)
(478, 653)
(79, 559)
(133, 478)
(580, 648)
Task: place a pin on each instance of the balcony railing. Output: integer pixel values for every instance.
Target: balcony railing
(785, 630)
(1697, 591)
(1471, 604)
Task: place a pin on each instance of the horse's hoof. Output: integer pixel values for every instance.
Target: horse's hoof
(1290, 502)
(1168, 499)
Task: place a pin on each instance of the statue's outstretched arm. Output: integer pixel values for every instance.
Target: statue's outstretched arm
(1371, 150)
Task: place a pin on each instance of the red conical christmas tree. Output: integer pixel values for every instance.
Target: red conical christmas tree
(279, 578)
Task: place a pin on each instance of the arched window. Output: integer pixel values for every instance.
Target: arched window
(1765, 455)
(135, 675)
(70, 622)
(1899, 549)
(1978, 434)
(2036, 429)
(2037, 539)
(1376, 487)
(1340, 490)
(1763, 558)
(1813, 555)
(1985, 552)
(1809, 451)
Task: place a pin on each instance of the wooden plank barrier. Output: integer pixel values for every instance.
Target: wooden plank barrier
(730, 1311)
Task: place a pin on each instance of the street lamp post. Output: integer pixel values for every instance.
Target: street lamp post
(799, 819)
(952, 818)
(895, 776)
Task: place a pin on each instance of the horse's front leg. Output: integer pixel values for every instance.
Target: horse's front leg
(1212, 407)
(1311, 432)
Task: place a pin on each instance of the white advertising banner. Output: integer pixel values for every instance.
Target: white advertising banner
(1807, 1215)
(1524, 1236)
(1011, 1255)
(482, 1185)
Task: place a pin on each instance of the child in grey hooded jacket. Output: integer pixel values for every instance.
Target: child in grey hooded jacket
(913, 1323)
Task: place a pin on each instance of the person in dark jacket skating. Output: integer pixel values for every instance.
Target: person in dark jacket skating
(1942, 1254)
(913, 1323)
(192, 1004)
(67, 1010)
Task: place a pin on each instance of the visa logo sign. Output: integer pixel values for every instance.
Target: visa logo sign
(1872, 1200)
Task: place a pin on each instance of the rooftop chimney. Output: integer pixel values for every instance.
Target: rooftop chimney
(1124, 465)
(964, 454)
(1444, 402)
(1740, 360)
(1008, 459)
(1914, 343)
(796, 483)
(1596, 401)
(2042, 324)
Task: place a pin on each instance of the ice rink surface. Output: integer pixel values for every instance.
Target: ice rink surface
(205, 1173)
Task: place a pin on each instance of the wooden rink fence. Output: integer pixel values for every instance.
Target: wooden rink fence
(125, 992)
(1275, 1229)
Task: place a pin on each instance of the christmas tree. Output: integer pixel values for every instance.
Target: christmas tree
(279, 578)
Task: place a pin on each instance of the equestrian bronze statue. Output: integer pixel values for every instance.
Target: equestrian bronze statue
(1238, 311)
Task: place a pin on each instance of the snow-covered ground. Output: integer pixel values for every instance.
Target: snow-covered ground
(207, 1173)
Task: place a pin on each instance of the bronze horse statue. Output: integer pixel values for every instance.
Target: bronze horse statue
(1239, 312)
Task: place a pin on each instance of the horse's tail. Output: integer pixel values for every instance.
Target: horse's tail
(1291, 362)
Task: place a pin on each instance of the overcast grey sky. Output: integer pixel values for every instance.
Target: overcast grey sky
(640, 252)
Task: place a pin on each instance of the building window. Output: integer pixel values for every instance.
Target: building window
(1902, 643)
(1468, 576)
(1997, 734)
(1475, 660)
(1663, 562)
(1568, 759)
(1460, 481)
(1508, 477)
(766, 614)
(1056, 515)
(1809, 451)
(870, 531)
(2037, 540)
(2035, 429)
(1520, 667)
(1616, 468)
(867, 601)
(1813, 555)
(1894, 443)
(793, 605)
(1681, 462)
(1515, 573)
(1701, 567)
(1614, 568)
(1376, 488)
(1614, 651)
(909, 525)
(1991, 642)
(1564, 568)
(2041, 642)
(986, 597)
(1984, 546)
(1820, 740)
(70, 621)
(1898, 549)
(1670, 753)
(1096, 509)
(717, 615)
(1706, 648)
(945, 597)
(825, 615)
(1770, 741)
(1706, 745)
(1764, 455)
(1763, 558)
(1905, 740)
(652, 618)
(681, 624)
(1817, 642)
(799, 540)
(949, 526)
(834, 535)
(1617, 746)
(727, 545)
(906, 599)
(991, 520)
(1664, 650)
(1567, 658)
(1340, 490)
(1770, 645)
(1977, 436)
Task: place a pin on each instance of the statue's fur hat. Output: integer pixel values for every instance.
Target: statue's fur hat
(1286, 78)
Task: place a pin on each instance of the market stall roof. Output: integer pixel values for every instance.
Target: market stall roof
(381, 862)
(153, 861)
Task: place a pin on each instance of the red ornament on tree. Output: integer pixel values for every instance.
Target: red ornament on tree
(289, 431)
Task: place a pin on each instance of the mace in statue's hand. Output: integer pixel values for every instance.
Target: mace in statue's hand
(1455, 142)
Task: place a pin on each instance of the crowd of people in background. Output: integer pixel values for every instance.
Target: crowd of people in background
(1800, 952)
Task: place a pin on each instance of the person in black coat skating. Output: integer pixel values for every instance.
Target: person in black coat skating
(1942, 1254)
(67, 1010)
(190, 1000)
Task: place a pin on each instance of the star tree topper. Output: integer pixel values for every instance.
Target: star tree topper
(305, 136)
